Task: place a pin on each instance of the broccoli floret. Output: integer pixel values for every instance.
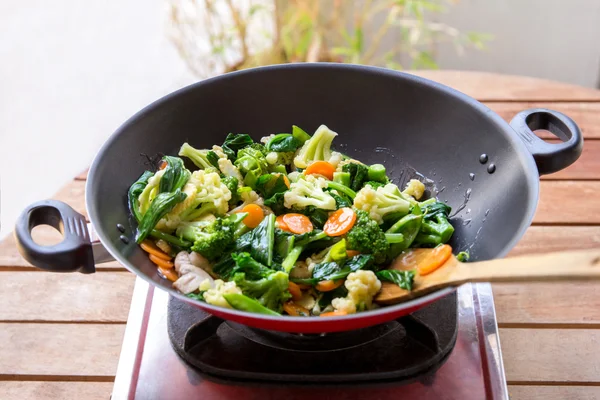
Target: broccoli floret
(318, 147)
(232, 184)
(309, 192)
(359, 173)
(248, 265)
(212, 240)
(201, 158)
(386, 200)
(280, 158)
(374, 185)
(252, 163)
(271, 291)
(367, 237)
(435, 229)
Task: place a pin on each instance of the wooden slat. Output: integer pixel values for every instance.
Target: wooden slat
(44, 296)
(10, 258)
(542, 239)
(56, 390)
(547, 303)
(586, 167)
(554, 392)
(59, 350)
(567, 202)
(551, 355)
(487, 86)
(585, 115)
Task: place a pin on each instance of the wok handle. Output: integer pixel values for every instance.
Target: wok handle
(549, 157)
(73, 254)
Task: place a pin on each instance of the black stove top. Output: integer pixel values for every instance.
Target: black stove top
(409, 349)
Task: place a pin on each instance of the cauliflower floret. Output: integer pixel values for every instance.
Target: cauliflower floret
(219, 151)
(265, 139)
(362, 285)
(228, 169)
(414, 188)
(211, 190)
(294, 176)
(170, 221)
(309, 192)
(345, 304)
(318, 147)
(380, 202)
(215, 297)
(335, 158)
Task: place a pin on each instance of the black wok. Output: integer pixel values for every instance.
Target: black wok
(403, 121)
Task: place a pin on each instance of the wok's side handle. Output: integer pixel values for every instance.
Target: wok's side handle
(549, 157)
(73, 254)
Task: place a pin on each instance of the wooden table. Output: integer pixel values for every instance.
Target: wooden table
(61, 334)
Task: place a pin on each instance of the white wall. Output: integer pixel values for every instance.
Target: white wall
(70, 73)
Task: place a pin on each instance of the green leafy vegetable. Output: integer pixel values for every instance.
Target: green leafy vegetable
(248, 265)
(299, 134)
(134, 192)
(234, 142)
(270, 291)
(436, 229)
(175, 175)
(270, 184)
(161, 205)
(359, 174)
(409, 226)
(262, 241)
(245, 303)
(302, 241)
(404, 279)
(283, 142)
(341, 189)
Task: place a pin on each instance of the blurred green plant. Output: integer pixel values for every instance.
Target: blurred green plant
(216, 36)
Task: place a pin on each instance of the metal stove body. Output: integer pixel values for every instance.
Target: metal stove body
(174, 351)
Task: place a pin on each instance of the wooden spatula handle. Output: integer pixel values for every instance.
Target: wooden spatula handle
(570, 265)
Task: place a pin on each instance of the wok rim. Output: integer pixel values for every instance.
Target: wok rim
(531, 175)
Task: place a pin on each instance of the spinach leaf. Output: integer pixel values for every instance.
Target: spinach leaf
(134, 193)
(323, 271)
(234, 142)
(333, 271)
(161, 205)
(276, 203)
(404, 279)
(316, 215)
(196, 296)
(326, 297)
(268, 185)
(213, 158)
(249, 266)
(283, 142)
(341, 200)
(175, 175)
(262, 241)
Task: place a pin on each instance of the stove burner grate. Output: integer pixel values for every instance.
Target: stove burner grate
(410, 348)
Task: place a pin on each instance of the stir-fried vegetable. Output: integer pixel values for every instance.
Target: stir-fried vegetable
(285, 226)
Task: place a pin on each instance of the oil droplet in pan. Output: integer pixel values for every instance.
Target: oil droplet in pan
(483, 158)
(491, 168)
(472, 176)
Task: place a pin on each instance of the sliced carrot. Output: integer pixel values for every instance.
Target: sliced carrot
(286, 181)
(340, 222)
(352, 253)
(163, 164)
(295, 290)
(281, 223)
(297, 223)
(328, 286)
(170, 274)
(254, 217)
(320, 168)
(425, 260)
(149, 247)
(160, 262)
(295, 310)
(334, 314)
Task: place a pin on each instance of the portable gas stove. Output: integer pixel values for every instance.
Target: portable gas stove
(448, 350)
